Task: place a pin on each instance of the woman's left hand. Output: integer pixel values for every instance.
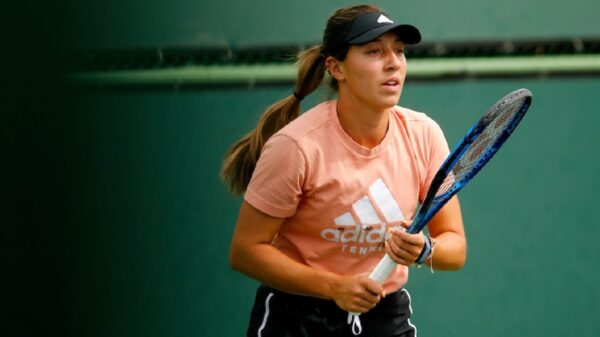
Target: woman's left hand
(402, 247)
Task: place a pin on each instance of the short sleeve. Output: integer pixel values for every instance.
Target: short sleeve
(276, 184)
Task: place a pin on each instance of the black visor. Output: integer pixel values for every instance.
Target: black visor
(368, 27)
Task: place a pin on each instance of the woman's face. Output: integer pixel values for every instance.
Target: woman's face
(374, 73)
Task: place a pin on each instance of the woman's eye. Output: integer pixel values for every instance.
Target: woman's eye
(374, 51)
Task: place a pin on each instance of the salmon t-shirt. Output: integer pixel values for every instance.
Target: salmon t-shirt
(338, 198)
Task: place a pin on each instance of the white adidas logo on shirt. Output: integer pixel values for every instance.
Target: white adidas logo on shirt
(370, 231)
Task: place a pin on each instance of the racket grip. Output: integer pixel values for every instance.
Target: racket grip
(383, 269)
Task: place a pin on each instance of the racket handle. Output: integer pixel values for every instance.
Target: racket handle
(383, 269)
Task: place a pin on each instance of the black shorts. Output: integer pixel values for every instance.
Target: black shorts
(280, 314)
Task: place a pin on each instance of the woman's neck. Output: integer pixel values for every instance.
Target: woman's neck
(366, 126)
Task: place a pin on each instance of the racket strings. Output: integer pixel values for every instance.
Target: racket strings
(484, 146)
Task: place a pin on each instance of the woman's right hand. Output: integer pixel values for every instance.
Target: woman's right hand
(253, 254)
(357, 293)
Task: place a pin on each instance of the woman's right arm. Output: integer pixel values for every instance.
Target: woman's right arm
(253, 254)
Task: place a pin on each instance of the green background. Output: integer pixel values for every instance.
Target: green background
(143, 23)
(118, 223)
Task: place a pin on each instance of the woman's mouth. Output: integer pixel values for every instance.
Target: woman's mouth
(392, 82)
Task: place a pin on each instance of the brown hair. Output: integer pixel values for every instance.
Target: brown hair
(241, 159)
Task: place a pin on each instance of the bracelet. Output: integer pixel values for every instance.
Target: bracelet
(425, 252)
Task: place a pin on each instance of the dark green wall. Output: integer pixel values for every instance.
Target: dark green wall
(143, 23)
(152, 221)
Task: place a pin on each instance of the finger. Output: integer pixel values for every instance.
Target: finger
(404, 246)
(411, 243)
(365, 305)
(373, 287)
(404, 237)
(405, 223)
(395, 236)
(369, 298)
(359, 308)
(393, 247)
(370, 302)
(399, 255)
(358, 304)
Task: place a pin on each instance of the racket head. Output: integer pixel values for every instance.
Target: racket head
(475, 150)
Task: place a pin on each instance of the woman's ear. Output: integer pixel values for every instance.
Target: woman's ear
(334, 68)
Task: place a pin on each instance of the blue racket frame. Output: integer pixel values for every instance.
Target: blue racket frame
(432, 203)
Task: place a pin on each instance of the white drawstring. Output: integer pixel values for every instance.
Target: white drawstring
(355, 321)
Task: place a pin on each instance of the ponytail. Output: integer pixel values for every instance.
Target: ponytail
(241, 159)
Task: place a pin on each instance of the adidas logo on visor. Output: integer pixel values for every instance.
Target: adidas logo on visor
(382, 18)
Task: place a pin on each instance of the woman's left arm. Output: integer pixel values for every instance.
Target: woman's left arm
(448, 238)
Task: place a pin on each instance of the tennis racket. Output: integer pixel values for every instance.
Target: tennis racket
(478, 146)
(475, 150)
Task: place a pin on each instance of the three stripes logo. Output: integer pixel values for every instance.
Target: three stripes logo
(384, 19)
(363, 230)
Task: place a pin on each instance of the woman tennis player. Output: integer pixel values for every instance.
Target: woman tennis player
(327, 194)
